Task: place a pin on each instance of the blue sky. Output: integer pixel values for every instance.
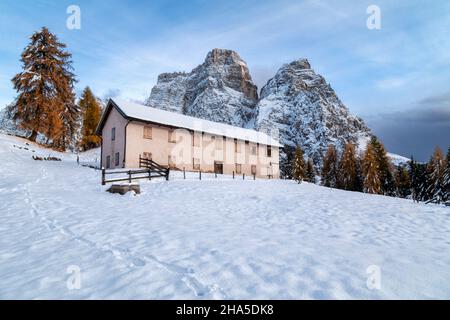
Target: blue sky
(396, 78)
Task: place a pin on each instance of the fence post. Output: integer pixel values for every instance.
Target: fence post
(233, 174)
(103, 176)
(243, 176)
(167, 174)
(254, 176)
(184, 173)
(215, 174)
(149, 174)
(129, 176)
(200, 174)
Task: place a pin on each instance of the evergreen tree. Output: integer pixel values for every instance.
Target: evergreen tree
(330, 168)
(70, 118)
(435, 185)
(359, 175)
(310, 175)
(447, 178)
(384, 167)
(422, 181)
(46, 100)
(348, 175)
(371, 172)
(287, 161)
(91, 116)
(415, 183)
(402, 182)
(299, 167)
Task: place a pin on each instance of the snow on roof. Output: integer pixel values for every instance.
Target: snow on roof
(145, 113)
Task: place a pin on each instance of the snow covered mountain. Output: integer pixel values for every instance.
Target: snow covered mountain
(297, 103)
(306, 111)
(221, 89)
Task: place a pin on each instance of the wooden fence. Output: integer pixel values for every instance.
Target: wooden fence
(149, 169)
(234, 175)
(157, 169)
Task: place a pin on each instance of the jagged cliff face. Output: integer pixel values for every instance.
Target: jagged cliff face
(169, 93)
(306, 111)
(221, 89)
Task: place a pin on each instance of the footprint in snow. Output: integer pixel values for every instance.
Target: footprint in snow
(138, 262)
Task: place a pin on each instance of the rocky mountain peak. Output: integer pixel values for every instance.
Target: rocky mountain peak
(220, 89)
(294, 77)
(300, 64)
(296, 102)
(228, 67)
(223, 56)
(305, 110)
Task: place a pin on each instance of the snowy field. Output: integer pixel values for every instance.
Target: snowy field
(220, 239)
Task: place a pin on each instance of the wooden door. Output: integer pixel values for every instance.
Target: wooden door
(218, 167)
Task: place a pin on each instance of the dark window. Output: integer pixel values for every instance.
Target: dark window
(253, 169)
(113, 134)
(108, 162)
(269, 151)
(116, 160)
(238, 168)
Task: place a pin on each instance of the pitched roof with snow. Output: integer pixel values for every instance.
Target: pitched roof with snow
(137, 112)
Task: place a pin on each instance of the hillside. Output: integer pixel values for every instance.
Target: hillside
(213, 238)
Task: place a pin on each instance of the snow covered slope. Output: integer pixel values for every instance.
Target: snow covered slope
(208, 239)
(397, 159)
(306, 111)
